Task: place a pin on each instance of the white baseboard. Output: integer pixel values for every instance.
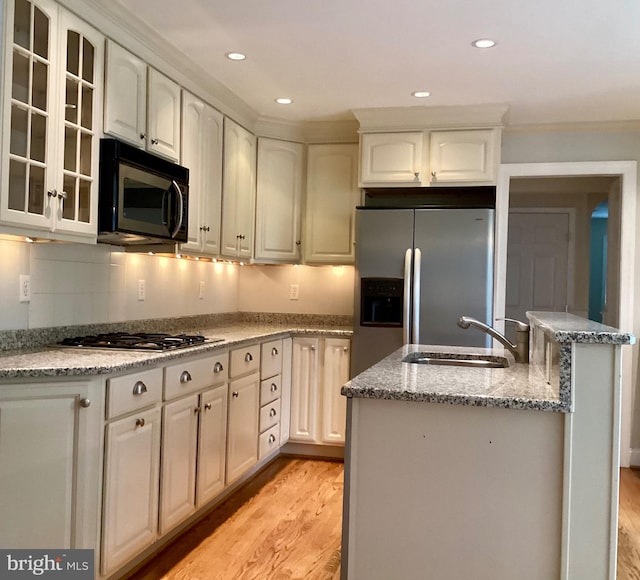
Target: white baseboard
(633, 458)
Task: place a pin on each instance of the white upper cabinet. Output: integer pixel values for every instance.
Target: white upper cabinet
(238, 191)
(392, 158)
(202, 129)
(332, 197)
(464, 156)
(279, 201)
(142, 106)
(53, 99)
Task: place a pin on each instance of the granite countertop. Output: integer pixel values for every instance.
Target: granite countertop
(54, 361)
(565, 327)
(520, 386)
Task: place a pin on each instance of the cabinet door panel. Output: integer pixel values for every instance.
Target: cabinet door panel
(179, 448)
(125, 108)
(304, 390)
(391, 158)
(242, 438)
(278, 200)
(212, 443)
(163, 136)
(132, 463)
(335, 373)
(332, 196)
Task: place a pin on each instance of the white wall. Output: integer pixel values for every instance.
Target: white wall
(83, 284)
(322, 289)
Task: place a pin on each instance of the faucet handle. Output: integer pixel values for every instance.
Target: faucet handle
(520, 326)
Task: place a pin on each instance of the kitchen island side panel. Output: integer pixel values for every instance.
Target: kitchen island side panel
(452, 492)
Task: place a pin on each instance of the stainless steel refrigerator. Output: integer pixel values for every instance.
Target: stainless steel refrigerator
(417, 272)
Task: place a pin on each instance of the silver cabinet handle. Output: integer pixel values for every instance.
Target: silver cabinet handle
(235, 394)
(248, 357)
(218, 368)
(154, 141)
(274, 351)
(52, 193)
(140, 422)
(272, 438)
(273, 413)
(274, 387)
(185, 377)
(139, 388)
(84, 403)
(63, 195)
(207, 407)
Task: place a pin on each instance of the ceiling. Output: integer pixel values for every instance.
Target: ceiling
(555, 61)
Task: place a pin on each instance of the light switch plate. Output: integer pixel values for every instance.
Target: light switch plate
(142, 291)
(294, 292)
(25, 288)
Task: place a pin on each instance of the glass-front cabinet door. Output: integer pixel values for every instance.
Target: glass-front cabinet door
(51, 119)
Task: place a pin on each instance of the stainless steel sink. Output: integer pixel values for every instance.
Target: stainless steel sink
(457, 360)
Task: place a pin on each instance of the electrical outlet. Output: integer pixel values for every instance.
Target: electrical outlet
(294, 292)
(25, 288)
(201, 290)
(142, 291)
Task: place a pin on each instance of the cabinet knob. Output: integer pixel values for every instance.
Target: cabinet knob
(207, 407)
(154, 141)
(196, 410)
(207, 229)
(272, 438)
(235, 394)
(218, 368)
(248, 357)
(274, 351)
(273, 413)
(417, 174)
(433, 174)
(312, 347)
(139, 388)
(85, 403)
(345, 348)
(298, 242)
(140, 422)
(185, 377)
(143, 135)
(63, 195)
(274, 387)
(52, 193)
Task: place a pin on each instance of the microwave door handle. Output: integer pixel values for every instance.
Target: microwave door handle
(174, 233)
(165, 211)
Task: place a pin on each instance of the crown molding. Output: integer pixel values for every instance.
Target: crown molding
(584, 127)
(420, 117)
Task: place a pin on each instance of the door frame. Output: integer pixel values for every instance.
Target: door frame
(627, 171)
(571, 249)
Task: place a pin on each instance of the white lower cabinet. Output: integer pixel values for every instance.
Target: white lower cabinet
(50, 464)
(193, 437)
(130, 512)
(242, 433)
(131, 467)
(320, 367)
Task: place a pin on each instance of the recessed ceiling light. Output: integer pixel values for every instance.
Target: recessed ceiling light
(483, 43)
(421, 94)
(284, 101)
(235, 56)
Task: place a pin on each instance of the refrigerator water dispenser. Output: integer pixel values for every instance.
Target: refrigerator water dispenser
(381, 301)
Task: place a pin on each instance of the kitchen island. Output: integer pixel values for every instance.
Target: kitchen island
(487, 473)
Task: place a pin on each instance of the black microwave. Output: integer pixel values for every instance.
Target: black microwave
(143, 199)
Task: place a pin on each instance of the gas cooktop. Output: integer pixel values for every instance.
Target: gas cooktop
(139, 341)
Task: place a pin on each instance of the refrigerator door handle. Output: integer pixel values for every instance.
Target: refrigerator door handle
(406, 304)
(415, 323)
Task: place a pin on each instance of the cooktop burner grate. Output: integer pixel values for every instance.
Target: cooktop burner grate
(139, 341)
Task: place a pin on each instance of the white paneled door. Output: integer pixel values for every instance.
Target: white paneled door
(537, 262)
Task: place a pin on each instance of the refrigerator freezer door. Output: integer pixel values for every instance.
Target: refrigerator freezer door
(456, 273)
(383, 237)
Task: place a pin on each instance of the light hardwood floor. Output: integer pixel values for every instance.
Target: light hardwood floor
(286, 524)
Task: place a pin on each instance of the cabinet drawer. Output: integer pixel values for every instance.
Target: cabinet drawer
(189, 376)
(245, 360)
(269, 415)
(270, 389)
(269, 441)
(132, 392)
(270, 359)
